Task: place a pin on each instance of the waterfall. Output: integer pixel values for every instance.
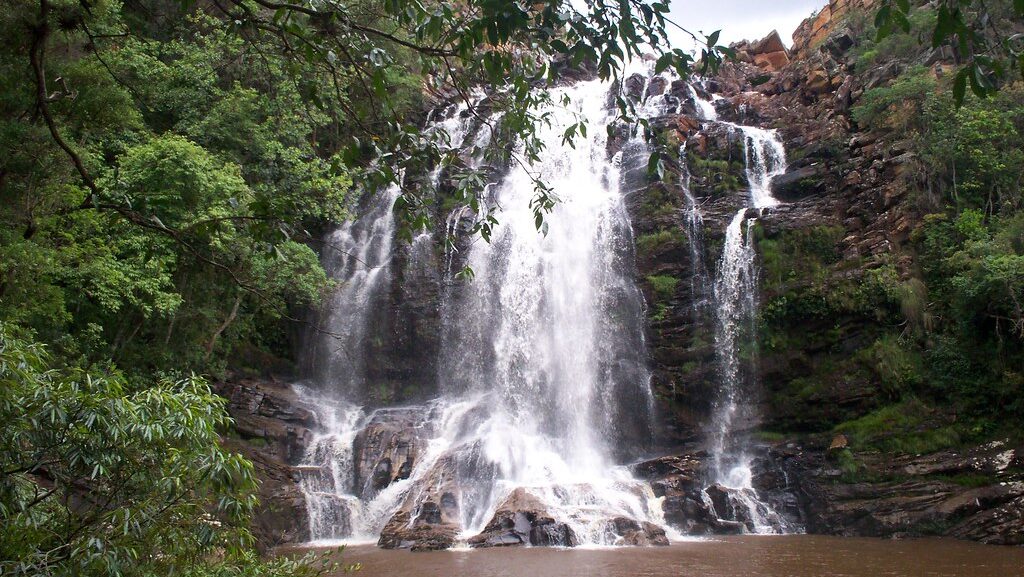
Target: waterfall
(544, 386)
(358, 255)
(544, 392)
(735, 288)
(735, 292)
(550, 333)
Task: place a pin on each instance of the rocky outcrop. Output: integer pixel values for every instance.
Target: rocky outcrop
(386, 449)
(768, 54)
(813, 31)
(976, 493)
(828, 255)
(271, 428)
(695, 508)
(428, 517)
(405, 532)
(521, 519)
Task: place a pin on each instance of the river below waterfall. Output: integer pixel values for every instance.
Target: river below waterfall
(747, 556)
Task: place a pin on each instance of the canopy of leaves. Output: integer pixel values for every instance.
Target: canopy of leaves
(102, 477)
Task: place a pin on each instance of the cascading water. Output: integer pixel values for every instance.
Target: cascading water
(735, 292)
(358, 255)
(735, 297)
(551, 331)
(543, 375)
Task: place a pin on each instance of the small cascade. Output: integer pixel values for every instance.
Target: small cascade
(734, 293)
(358, 255)
(457, 126)
(735, 288)
(693, 225)
(327, 481)
(707, 109)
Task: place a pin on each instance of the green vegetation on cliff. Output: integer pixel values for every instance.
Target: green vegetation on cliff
(923, 347)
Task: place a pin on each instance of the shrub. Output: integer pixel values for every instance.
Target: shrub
(897, 107)
(664, 286)
(906, 427)
(650, 244)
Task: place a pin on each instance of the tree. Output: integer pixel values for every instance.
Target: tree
(987, 39)
(99, 476)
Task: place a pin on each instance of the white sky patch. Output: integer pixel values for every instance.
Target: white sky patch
(739, 19)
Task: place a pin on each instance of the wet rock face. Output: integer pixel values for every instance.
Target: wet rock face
(429, 518)
(273, 428)
(386, 449)
(633, 533)
(694, 507)
(416, 534)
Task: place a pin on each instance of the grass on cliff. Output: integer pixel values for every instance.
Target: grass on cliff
(664, 286)
(650, 244)
(906, 427)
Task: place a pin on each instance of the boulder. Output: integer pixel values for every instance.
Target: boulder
(416, 534)
(631, 532)
(800, 182)
(387, 448)
(522, 519)
(769, 53)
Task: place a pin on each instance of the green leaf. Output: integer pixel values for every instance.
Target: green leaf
(652, 163)
(664, 61)
(960, 87)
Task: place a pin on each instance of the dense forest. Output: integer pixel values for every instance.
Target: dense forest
(168, 170)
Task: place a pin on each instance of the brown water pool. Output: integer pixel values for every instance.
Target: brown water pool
(749, 556)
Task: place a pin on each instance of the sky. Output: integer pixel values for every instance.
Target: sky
(740, 19)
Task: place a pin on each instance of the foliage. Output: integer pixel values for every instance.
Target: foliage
(897, 106)
(721, 175)
(796, 254)
(872, 50)
(365, 61)
(664, 286)
(973, 154)
(651, 243)
(898, 368)
(103, 477)
(976, 270)
(907, 427)
(990, 54)
(185, 237)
